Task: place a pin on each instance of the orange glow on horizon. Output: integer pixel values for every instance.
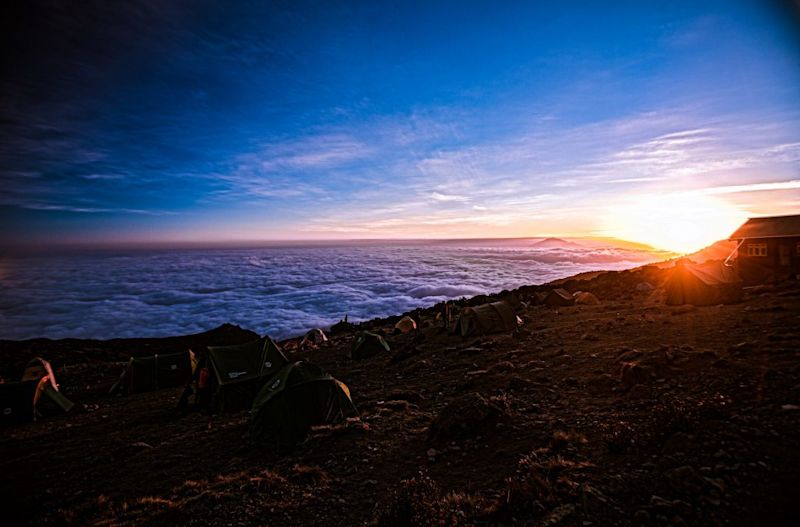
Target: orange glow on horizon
(681, 222)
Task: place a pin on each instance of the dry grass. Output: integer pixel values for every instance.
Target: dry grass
(420, 502)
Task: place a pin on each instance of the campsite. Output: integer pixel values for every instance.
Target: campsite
(400, 264)
(628, 411)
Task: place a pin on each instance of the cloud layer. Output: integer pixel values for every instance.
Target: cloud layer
(278, 291)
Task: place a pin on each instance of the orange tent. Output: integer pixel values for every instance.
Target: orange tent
(706, 284)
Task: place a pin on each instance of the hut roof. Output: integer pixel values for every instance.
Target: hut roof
(770, 227)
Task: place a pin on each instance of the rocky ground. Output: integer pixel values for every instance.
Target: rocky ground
(628, 412)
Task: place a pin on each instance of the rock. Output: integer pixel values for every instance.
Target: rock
(644, 287)
(677, 521)
(660, 504)
(680, 310)
(502, 367)
(561, 359)
(716, 486)
(790, 407)
(131, 449)
(677, 442)
(683, 508)
(467, 416)
(638, 391)
(629, 355)
(559, 514)
(760, 289)
(516, 383)
(641, 517)
(685, 480)
(633, 373)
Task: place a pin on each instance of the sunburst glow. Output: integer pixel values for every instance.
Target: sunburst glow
(683, 223)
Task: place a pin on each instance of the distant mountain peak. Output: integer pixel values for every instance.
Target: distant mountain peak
(556, 243)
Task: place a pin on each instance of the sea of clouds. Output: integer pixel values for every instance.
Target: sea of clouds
(280, 291)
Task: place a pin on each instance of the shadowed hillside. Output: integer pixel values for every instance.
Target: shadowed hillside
(629, 412)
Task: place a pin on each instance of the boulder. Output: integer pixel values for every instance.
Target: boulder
(465, 417)
(644, 287)
(633, 373)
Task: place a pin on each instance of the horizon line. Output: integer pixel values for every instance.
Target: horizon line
(44, 246)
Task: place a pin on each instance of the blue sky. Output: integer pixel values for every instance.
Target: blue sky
(201, 121)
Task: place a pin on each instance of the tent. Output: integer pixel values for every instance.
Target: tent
(36, 369)
(314, 337)
(36, 395)
(300, 396)
(405, 325)
(486, 318)
(559, 298)
(585, 298)
(368, 344)
(162, 370)
(238, 372)
(706, 284)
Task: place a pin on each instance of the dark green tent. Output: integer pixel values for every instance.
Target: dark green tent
(486, 318)
(147, 374)
(300, 396)
(238, 372)
(368, 344)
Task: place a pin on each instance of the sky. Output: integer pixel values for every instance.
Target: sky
(174, 121)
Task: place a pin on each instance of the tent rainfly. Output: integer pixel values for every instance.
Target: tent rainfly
(298, 397)
(559, 298)
(705, 284)
(405, 325)
(36, 395)
(154, 372)
(314, 337)
(586, 298)
(368, 344)
(238, 372)
(486, 318)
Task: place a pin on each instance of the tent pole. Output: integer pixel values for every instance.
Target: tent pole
(734, 251)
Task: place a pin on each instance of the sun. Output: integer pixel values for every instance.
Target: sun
(682, 222)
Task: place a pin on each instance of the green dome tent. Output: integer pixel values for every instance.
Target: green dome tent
(559, 298)
(300, 396)
(150, 373)
(368, 344)
(486, 318)
(238, 372)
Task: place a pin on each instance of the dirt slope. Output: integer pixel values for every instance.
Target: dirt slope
(625, 413)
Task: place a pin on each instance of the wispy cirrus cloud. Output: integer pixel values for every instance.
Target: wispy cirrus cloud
(272, 171)
(94, 210)
(308, 153)
(438, 196)
(551, 180)
(754, 187)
